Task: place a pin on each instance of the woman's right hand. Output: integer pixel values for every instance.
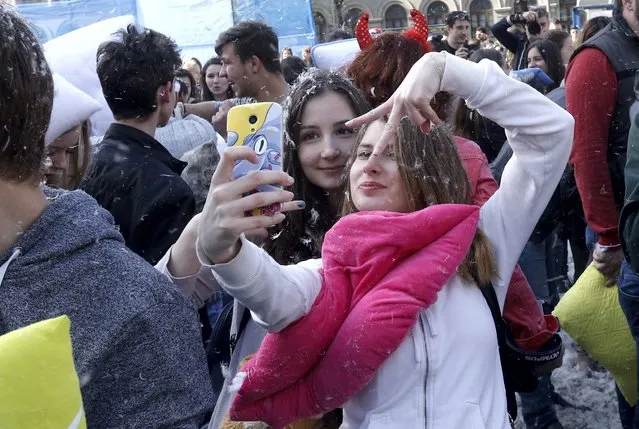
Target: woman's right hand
(223, 219)
(412, 98)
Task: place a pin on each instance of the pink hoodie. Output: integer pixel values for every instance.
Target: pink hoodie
(380, 270)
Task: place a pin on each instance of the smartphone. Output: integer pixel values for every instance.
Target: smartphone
(258, 126)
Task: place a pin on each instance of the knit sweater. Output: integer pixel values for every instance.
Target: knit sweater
(136, 340)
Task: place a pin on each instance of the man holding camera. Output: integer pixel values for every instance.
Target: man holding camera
(536, 22)
(457, 35)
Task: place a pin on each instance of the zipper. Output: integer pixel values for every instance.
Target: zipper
(427, 364)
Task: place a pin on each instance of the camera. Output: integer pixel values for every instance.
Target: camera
(533, 27)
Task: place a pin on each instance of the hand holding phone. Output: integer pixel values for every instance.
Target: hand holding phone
(258, 126)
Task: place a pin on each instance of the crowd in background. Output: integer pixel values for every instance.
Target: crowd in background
(131, 232)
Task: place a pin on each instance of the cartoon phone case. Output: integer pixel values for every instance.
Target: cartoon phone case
(258, 126)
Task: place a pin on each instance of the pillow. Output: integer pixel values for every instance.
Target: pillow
(590, 313)
(71, 107)
(40, 387)
(335, 55)
(73, 56)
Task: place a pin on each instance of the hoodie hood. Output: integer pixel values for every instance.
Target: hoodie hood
(72, 221)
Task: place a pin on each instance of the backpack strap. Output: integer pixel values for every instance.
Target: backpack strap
(488, 291)
(246, 316)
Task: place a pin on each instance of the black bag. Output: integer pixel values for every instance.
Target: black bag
(517, 365)
(221, 345)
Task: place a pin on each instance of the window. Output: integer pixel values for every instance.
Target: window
(395, 17)
(350, 19)
(436, 13)
(481, 14)
(565, 13)
(320, 26)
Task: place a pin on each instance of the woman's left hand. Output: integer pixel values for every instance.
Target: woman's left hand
(411, 99)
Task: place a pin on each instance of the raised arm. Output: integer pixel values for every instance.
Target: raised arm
(506, 38)
(541, 145)
(276, 295)
(541, 142)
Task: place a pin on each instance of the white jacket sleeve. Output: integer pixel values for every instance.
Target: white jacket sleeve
(198, 288)
(277, 295)
(540, 134)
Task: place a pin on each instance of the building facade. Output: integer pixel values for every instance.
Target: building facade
(394, 14)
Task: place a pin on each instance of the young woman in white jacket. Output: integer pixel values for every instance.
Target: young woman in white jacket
(446, 374)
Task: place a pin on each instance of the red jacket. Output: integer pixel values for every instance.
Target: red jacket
(591, 95)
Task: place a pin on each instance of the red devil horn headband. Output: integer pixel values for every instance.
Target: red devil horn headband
(419, 31)
(364, 38)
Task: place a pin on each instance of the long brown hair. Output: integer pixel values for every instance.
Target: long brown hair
(301, 234)
(592, 27)
(433, 173)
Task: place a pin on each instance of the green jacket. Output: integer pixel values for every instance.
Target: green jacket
(629, 219)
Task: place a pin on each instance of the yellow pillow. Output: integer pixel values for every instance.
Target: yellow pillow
(39, 387)
(590, 313)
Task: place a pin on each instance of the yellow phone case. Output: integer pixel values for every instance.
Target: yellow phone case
(259, 126)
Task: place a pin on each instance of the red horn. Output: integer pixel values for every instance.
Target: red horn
(364, 38)
(419, 31)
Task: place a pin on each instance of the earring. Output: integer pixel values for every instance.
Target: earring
(162, 93)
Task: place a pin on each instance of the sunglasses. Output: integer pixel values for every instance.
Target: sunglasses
(457, 16)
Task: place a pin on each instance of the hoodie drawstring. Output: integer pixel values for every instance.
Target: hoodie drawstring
(5, 266)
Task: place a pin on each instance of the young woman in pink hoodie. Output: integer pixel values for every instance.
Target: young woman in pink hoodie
(390, 324)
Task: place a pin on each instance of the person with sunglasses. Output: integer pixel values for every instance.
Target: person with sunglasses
(457, 35)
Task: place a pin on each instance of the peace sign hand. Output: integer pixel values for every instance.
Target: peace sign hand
(223, 218)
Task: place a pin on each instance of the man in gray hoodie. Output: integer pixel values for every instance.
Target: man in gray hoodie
(136, 340)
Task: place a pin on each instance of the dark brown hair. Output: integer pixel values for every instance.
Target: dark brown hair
(468, 123)
(252, 38)
(593, 26)
(552, 56)
(432, 173)
(26, 97)
(556, 36)
(207, 95)
(301, 234)
(132, 66)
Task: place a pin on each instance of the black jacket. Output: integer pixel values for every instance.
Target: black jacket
(629, 219)
(515, 43)
(135, 178)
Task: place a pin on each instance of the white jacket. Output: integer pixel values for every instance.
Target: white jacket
(447, 373)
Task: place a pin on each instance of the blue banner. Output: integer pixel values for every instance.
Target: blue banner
(291, 19)
(193, 24)
(54, 19)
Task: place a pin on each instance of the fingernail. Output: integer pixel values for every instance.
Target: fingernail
(301, 204)
(290, 180)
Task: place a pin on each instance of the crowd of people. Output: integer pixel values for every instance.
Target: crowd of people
(431, 192)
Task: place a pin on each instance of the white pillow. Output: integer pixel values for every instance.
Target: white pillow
(71, 107)
(73, 55)
(335, 55)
